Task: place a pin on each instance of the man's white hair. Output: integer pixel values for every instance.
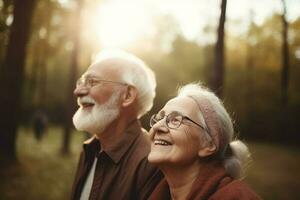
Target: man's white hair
(135, 72)
(234, 153)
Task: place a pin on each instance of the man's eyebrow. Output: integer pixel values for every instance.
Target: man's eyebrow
(92, 76)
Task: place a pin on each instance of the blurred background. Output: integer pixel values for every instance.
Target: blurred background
(248, 52)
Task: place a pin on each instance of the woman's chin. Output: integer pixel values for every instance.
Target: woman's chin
(156, 158)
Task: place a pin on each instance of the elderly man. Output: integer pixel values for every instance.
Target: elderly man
(113, 94)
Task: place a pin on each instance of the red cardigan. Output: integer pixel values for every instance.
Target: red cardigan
(212, 184)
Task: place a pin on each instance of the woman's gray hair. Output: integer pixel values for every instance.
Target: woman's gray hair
(219, 128)
(134, 72)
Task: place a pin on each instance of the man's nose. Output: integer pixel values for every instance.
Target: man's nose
(81, 91)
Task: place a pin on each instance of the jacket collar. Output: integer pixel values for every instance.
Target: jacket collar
(211, 177)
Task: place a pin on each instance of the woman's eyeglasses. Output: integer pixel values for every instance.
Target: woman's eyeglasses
(173, 120)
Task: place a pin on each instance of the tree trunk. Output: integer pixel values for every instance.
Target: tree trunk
(217, 81)
(39, 75)
(45, 54)
(285, 58)
(35, 74)
(70, 104)
(284, 74)
(11, 77)
(4, 29)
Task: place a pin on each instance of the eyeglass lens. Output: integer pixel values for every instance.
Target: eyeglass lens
(173, 120)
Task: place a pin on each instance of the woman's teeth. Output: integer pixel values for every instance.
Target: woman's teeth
(161, 142)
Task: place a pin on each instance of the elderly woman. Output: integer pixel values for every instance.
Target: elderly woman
(192, 143)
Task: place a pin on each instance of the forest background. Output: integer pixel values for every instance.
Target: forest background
(248, 52)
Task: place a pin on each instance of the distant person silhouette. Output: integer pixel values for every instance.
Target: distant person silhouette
(40, 122)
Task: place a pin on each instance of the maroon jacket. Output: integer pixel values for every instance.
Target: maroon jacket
(212, 184)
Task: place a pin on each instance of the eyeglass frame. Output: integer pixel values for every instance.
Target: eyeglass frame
(82, 81)
(169, 121)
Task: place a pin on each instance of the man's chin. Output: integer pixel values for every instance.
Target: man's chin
(94, 119)
(83, 120)
(80, 120)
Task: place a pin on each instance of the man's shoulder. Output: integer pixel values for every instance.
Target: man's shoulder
(139, 149)
(142, 143)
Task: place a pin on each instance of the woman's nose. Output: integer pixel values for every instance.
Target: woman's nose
(160, 126)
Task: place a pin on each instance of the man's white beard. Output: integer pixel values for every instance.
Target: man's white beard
(96, 120)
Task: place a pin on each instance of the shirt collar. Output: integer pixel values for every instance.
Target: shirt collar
(91, 147)
(117, 151)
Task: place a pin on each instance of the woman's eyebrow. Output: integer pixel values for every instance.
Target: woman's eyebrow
(162, 112)
(175, 112)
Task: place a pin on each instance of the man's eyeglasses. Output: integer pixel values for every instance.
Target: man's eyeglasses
(90, 81)
(173, 120)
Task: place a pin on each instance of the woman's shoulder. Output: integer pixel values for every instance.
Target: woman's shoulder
(234, 190)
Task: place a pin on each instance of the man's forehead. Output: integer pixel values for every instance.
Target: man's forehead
(102, 70)
(111, 63)
(98, 68)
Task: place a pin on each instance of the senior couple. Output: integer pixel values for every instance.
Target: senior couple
(189, 153)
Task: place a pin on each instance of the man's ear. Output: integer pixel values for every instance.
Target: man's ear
(207, 150)
(129, 96)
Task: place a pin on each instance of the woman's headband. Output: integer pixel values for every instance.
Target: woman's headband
(212, 123)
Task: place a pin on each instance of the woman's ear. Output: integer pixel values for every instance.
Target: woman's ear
(129, 96)
(207, 150)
